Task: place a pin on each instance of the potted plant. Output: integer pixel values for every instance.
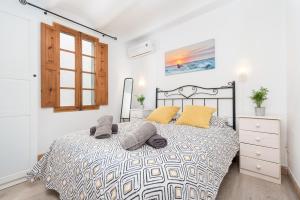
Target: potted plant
(258, 97)
(141, 98)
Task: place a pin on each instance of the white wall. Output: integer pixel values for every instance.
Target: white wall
(249, 34)
(293, 83)
(50, 125)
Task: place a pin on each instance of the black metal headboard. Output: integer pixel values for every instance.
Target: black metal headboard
(197, 93)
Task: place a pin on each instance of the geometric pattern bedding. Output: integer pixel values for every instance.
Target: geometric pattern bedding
(192, 166)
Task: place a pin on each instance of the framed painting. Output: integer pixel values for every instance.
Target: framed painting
(196, 57)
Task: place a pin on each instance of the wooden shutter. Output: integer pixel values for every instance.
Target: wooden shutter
(102, 74)
(49, 65)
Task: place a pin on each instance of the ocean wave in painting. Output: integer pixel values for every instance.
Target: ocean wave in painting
(192, 58)
(198, 65)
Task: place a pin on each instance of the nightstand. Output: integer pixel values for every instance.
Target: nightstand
(139, 114)
(260, 147)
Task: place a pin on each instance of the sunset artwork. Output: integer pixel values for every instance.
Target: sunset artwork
(197, 57)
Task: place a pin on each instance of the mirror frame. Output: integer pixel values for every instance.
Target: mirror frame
(122, 119)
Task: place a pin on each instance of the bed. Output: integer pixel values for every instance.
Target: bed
(192, 166)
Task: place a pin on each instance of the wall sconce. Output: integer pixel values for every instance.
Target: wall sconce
(243, 74)
(243, 70)
(141, 83)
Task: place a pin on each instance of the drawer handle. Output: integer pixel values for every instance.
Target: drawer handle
(257, 139)
(257, 125)
(258, 153)
(258, 167)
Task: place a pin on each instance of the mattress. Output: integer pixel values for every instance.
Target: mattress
(192, 166)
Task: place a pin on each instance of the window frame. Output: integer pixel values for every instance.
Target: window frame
(95, 41)
(78, 38)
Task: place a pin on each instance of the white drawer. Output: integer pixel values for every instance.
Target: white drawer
(136, 119)
(258, 138)
(261, 125)
(136, 114)
(141, 114)
(259, 166)
(263, 153)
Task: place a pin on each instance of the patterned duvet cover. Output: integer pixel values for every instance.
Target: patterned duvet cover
(192, 166)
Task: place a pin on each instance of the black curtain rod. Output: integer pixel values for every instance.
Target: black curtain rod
(24, 2)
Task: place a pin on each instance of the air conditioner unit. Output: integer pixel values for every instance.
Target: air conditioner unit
(140, 49)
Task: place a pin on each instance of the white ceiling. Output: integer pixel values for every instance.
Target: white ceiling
(129, 19)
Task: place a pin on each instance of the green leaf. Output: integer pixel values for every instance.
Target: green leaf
(259, 96)
(140, 99)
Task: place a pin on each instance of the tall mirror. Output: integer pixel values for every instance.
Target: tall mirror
(126, 100)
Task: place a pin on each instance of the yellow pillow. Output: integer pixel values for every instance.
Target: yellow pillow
(163, 114)
(198, 116)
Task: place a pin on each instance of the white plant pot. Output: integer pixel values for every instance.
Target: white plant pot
(260, 111)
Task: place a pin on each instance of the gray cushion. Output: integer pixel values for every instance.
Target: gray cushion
(114, 128)
(106, 119)
(93, 130)
(157, 141)
(103, 130)
(135, 139)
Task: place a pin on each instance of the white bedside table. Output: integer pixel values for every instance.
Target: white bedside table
(260, 147)
(139, 114)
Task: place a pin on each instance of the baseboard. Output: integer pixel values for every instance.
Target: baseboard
(294, 182)
(12, 183)
(13, 179)
(284, 170)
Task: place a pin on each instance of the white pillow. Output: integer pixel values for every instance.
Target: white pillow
(218, 122)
